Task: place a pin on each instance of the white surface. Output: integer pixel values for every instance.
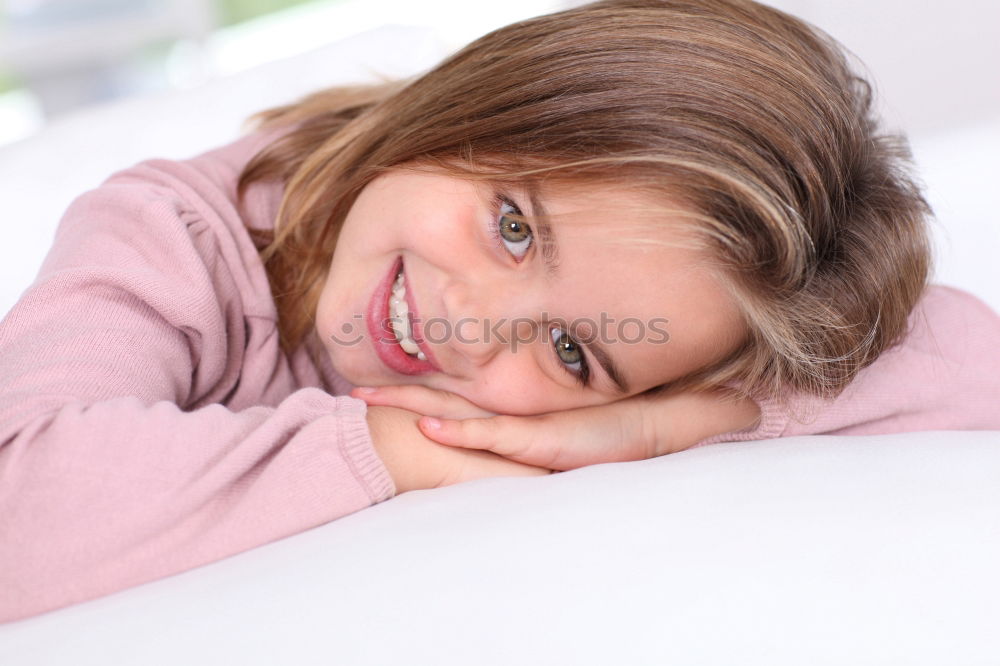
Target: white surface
(801, 551)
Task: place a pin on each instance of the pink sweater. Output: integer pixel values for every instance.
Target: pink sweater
(149, 422)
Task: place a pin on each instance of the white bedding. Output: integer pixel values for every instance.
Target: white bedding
(801, 551)
(810, 550)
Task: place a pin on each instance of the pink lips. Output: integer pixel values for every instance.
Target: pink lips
(382, 337)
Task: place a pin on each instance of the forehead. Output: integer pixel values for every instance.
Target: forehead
(629, 264)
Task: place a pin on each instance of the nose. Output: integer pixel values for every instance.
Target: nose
(488, 316)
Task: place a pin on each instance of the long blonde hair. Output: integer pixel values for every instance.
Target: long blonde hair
(749, 117)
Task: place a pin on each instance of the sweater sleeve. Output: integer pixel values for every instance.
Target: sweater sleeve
(116, 466)
(944, 375)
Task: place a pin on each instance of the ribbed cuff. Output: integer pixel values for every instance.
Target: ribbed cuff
(359, 451)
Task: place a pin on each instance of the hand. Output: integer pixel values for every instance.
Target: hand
(633, 428)
(415, 461)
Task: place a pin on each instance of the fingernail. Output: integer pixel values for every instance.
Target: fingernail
(431, 423)
(365, 389)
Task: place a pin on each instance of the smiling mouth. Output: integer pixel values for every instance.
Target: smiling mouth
(399, 318)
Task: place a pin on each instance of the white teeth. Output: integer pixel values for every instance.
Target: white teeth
(399, 326)
(400, 321)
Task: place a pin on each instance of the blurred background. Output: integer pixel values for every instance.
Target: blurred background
(57, 56)
(935, 62)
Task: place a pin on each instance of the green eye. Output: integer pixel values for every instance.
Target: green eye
(512, 230)
(515, 235)
(567, 350)
(570, 355)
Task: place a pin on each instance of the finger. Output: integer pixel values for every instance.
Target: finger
(422, 400)
(524, 439)
(558, 440)
(485, 434)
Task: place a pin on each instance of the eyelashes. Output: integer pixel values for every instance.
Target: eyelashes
(511, 233)
(570, 353)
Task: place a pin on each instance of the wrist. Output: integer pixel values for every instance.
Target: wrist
(383, 423)
(691, 417)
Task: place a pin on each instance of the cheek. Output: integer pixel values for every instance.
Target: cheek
(520, 398)
(332, 301)
(324, 316)
(447, 239)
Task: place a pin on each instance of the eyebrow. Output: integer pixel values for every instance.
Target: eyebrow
(546, 238)
(550, 255)
(608, 363)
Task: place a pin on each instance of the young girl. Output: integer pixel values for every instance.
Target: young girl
(607, 234)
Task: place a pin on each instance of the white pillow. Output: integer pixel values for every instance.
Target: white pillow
(799, 551)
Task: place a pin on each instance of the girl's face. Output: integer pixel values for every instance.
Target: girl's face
(516, 317)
